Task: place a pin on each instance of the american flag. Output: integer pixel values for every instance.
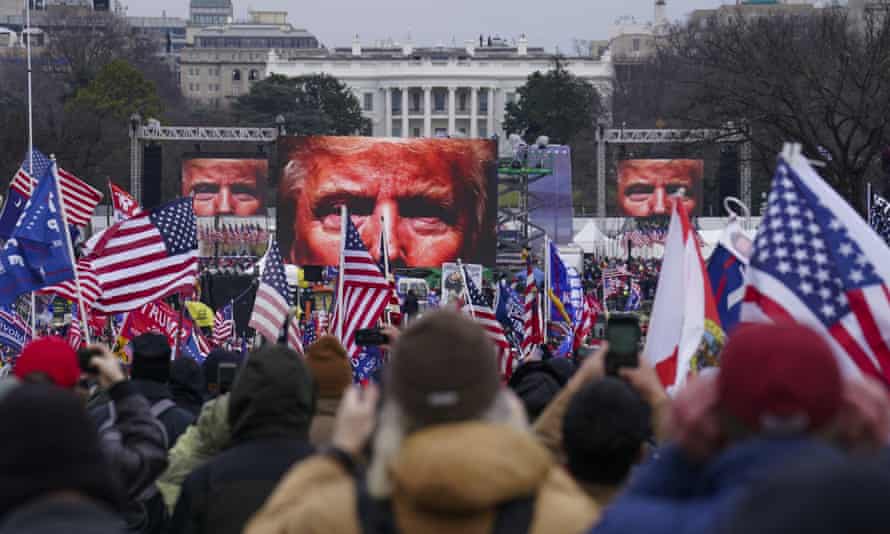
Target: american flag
(531, 313)
(89, 285)
(223, 324)
(147, 257)
(879, 218)
(589, 314)
(365, 291)
(294, 336)
(310, 332)
(815, 261)
(80, 197)
(75, 334)
(323, 322)
(272, 303)
(480, 309)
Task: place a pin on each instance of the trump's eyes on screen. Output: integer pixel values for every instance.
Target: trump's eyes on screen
(424, 215)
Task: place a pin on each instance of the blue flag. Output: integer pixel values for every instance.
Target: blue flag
(560, 286)
(727, 275)
(192, 350)
(14, 333)
(36, 255)
(19, 190)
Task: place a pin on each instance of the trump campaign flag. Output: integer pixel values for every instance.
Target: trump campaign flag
(125, 206)
(684, 313)
(37, 254)
(815, 261)
(726, 270)
(31, 169)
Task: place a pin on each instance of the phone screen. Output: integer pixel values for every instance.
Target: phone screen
(623, 335)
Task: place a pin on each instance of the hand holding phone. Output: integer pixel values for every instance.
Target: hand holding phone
(623, 334)
(371, 337)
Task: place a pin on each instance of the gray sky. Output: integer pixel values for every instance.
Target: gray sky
(430, 22)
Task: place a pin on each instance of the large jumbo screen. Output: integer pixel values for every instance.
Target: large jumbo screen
(647, 187)
(437, 197)
(231, 186)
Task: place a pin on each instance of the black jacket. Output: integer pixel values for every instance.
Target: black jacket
(53, 515)
(175, 420)
(187, 385)
(270, 410)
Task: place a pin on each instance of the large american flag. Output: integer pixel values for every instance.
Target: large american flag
(223, 324)
(879, 218)
(272, 303)
(365, 291)
(479, 308)
(148, 257)
(531, 317)
(817, 262)
(80, 197)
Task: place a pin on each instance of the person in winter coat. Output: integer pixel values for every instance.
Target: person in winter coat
(270, 410)
(137, 453)
(537, 383)
(779, 396)
(53, 474)
(330, 367)
(202, 441)
(187, 385)
(452, 452)
(150, 376)
(219, 383)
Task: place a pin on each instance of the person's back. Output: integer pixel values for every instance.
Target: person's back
(187, 385)
(270, 410)
(452, 452)
(53, 475)
(778, 397)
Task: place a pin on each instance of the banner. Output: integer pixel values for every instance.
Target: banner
(155, 317)
(452, 282)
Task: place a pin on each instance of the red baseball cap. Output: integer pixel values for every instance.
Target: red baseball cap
(52, 356)
(779, 377)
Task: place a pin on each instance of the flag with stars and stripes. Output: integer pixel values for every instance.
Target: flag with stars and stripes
(294, 336)
(480, 310)
(147, 257)
(531, 318)
(223, 324)
(272, 303)
(74, 336)
(879, 218)
(310, 332)
(815, 261)
(366, 291)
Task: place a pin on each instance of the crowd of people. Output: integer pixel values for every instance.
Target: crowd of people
(777, 440)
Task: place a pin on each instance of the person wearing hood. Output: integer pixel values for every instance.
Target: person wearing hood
(452, 452)
(220, 382)
(332, 371)
(269, 411)
(48, 484)
(187, 385)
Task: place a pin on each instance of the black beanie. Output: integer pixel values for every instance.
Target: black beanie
(151, 358)
(48, 444)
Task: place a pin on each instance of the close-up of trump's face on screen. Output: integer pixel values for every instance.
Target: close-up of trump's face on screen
(436, 198)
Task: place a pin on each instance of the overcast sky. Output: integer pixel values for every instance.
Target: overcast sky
(429, 22)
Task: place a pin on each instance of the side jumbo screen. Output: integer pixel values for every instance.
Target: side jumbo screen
(225, 185)
(646, 187)
(438, 198)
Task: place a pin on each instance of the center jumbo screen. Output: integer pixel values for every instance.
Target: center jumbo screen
(646, 187)
(233, 186)
(438, 198)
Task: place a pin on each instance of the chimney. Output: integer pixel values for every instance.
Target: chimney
(522, 49)
(470, 45)
(408, 47)
(660, 13)
(356, 46)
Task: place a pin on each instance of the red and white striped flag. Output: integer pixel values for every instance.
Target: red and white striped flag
(589, 315)
(531, 322)
(147, 257)
(75, 334)
(80, 197)
(223, 324)
(125, 206)
(480, 310)
(272, 302)
(365, 290)
(294, 335)
(89, 285)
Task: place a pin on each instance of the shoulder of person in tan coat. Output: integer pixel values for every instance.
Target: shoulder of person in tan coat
(323, 422)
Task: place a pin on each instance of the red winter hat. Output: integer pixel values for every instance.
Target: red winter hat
(779, 377)
(52, 356)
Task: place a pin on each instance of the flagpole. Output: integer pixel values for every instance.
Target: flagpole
(31, 150)
(80, 305)
(868, 203)
(384, 250)
(463, 277)
(546, 299)
(344, 213)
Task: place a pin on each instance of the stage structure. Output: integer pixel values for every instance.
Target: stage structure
(730, 133)
(515, 174)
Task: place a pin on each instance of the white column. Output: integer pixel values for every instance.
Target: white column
(427, 111)
(490, 123)
(452, 112)
(474, 110)
(405, 131)
(387, 111)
